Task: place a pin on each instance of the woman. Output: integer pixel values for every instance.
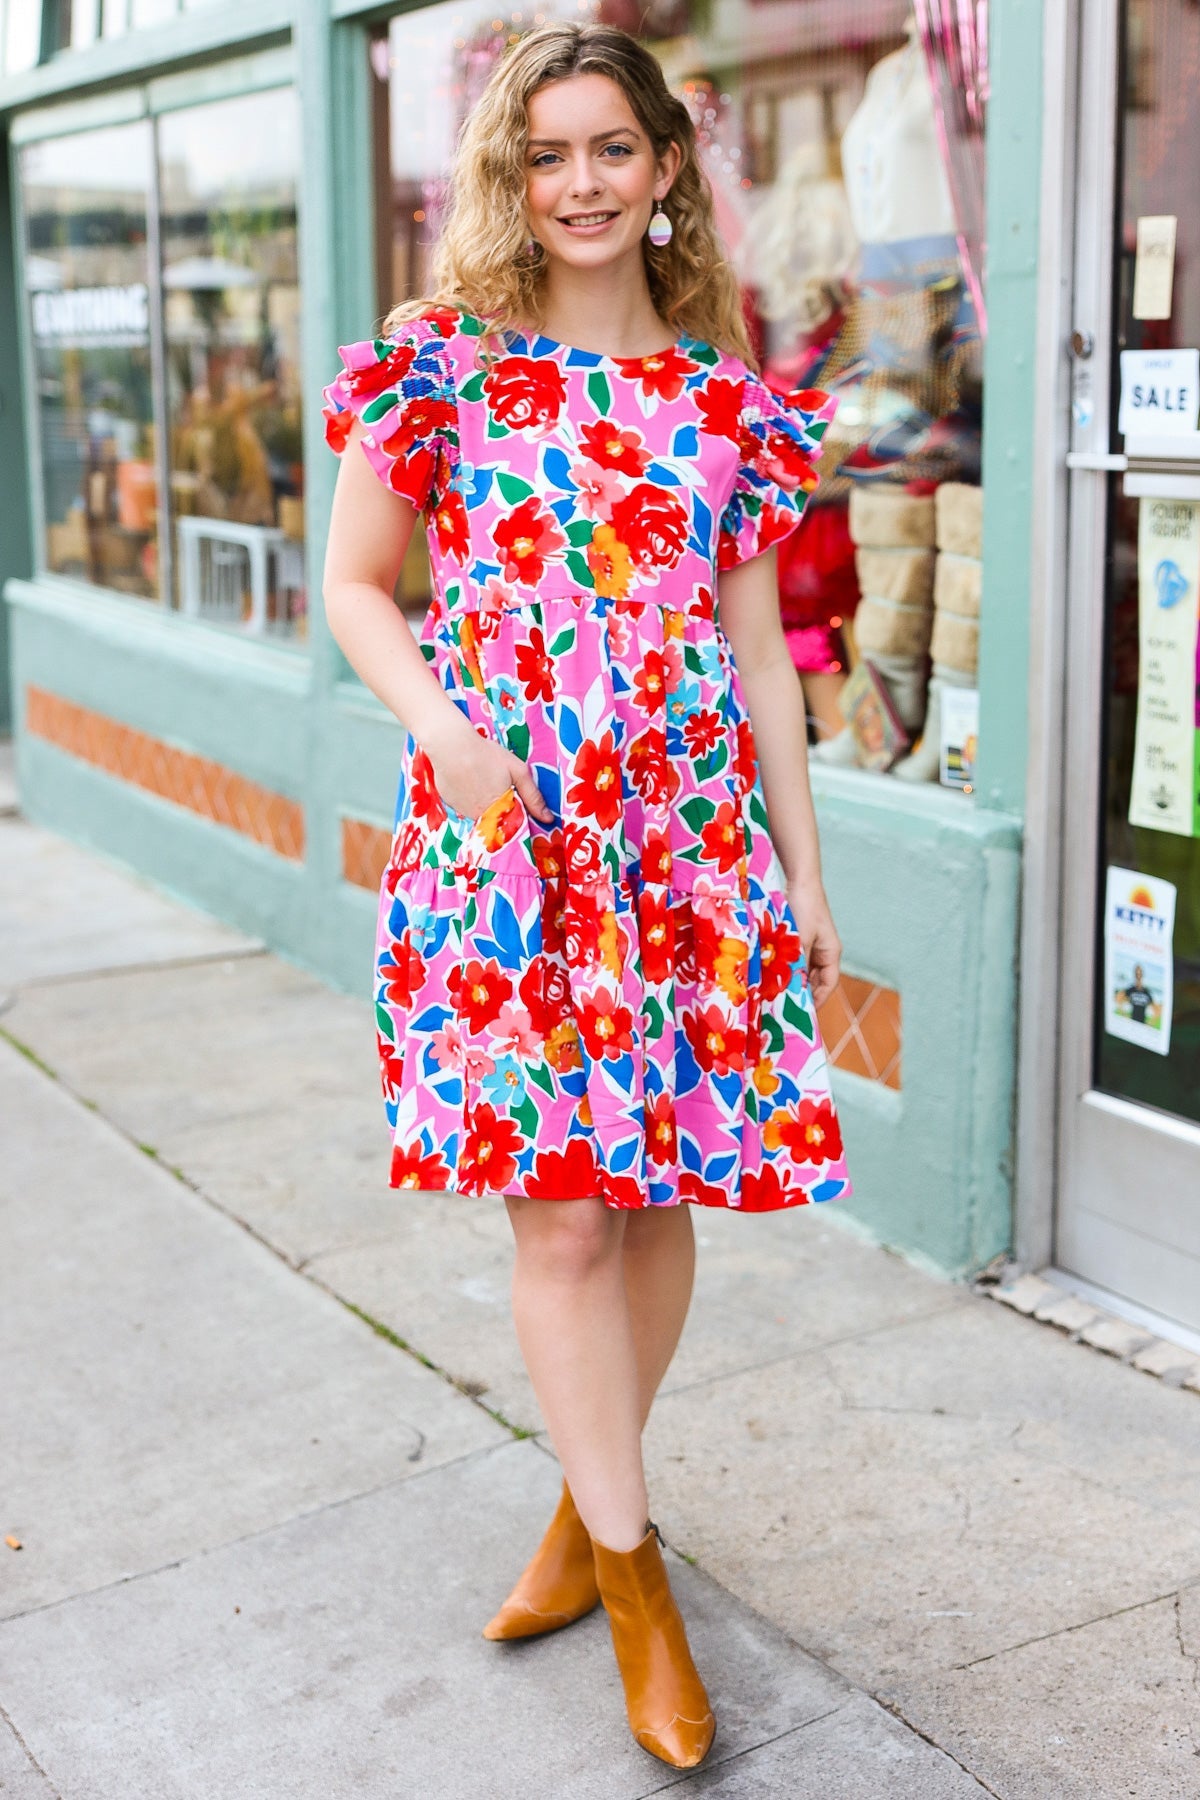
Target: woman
(592, 993)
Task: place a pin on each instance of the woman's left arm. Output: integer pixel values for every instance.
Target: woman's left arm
(748, 602)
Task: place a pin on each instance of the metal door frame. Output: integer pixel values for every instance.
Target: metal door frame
(1068, 1133)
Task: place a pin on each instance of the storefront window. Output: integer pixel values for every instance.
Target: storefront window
(224, 397)
(231, 312)
(87, 275)
(848, 184)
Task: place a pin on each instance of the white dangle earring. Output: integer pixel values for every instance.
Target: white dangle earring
(660, 230)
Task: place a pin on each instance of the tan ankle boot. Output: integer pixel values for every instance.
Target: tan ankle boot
(668, 1708)
(558, 1586)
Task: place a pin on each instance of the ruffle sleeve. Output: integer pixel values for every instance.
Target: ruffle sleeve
(777, 468)
(402, 388)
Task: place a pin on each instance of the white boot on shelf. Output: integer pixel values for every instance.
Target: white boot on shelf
(957, 592)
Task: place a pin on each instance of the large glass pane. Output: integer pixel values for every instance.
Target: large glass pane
(232, 322)
(845, 185)
(84, 200)
(1153, 591)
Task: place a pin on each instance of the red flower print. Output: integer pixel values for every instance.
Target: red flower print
(478, 990)
(656, 857)
(426, 801)
(527, 539)
(779, 952)
(596, 792)
(745, 765)
(403, 973)
(809, 1132)
(391, 1068)
(660, 1128)
(621, 1191)
(413, 1168)
(606, 1026)
(526, 393)
(598, 489)
(615, 446)
(377, 377)
(663, 375)
(650, 682)
(650, 771)
(722, 840)
(583, 920)
(764, 1191)
(684, 935)
(581, 850)
(787, 463)
(535, 671)
(548, 853)
(444, 319)
(700, 1193)
(450, 523)
(720, 404)
(545, 994)
(718, 1047)
(338, 421)
(702, 732)
(554, 917)
(655, 934)
(653, 522)
(407, 851)
(569, 1174)
(488, 1161)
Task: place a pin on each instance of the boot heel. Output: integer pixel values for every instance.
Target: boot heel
(665, 1699)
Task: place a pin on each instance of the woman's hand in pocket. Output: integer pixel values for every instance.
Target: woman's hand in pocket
(481, 771)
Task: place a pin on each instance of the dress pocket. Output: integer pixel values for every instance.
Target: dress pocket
(499, 842)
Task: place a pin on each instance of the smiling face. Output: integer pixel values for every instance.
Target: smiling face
(591, 173)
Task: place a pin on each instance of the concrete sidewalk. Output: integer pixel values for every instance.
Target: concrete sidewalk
(938, 1549)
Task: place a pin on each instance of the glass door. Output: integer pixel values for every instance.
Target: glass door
(1129, 1195)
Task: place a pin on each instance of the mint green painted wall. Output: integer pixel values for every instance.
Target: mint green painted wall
(924, 884)
(1013, 190)
(15, 546)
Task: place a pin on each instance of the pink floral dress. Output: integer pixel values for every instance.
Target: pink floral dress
(616, 1004)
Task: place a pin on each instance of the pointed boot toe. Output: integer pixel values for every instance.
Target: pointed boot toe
(669, 1713)
(557, 1587)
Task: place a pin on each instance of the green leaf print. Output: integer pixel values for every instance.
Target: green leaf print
(375, 409)
(495, 429)
(517, 739)
(697, 811)
(772, 1033)
(472, 387)
(712, 764)
(470, 326)
(384, 1020)
(577, 568)
(817, 429)
(797, 1015)
(599, 393)
(654, 1017)
(692, 659)
(540, 1076)
(525, 1116)
(564, 641)
(579, 533)
(512, 487)
(705, 354)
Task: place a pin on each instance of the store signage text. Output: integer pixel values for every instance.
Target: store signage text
(102, 316)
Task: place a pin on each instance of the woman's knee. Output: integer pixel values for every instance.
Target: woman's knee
(566, 1240)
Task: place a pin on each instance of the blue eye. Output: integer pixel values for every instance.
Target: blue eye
(621, 149)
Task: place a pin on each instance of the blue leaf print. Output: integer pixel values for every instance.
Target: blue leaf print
(686, 441)
(557, 469)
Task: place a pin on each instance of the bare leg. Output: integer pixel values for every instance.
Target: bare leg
(572, 1316)
(660, 1262)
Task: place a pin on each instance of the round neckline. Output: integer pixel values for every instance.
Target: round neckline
(553, 346)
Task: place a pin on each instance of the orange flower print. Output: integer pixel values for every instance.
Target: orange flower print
(610, 563)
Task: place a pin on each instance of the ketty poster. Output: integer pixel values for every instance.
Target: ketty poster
(1139, 930)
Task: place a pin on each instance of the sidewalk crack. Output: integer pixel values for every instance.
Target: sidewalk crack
(11, 1723)
(1118, 1612)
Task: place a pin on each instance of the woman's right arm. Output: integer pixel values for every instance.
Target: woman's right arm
(369, 533)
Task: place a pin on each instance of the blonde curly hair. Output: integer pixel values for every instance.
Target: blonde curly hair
(482, 265)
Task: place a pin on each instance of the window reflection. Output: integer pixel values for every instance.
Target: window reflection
(87, 276)
(231, 307)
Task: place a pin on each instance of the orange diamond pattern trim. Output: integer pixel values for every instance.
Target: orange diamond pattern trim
(365, 852)
(195, 782)
(860, 1022)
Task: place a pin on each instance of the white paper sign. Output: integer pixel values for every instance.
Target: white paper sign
(1154, 266)
(959, 736)
(1139, 929)
(1160, 392)
(1162, 792)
